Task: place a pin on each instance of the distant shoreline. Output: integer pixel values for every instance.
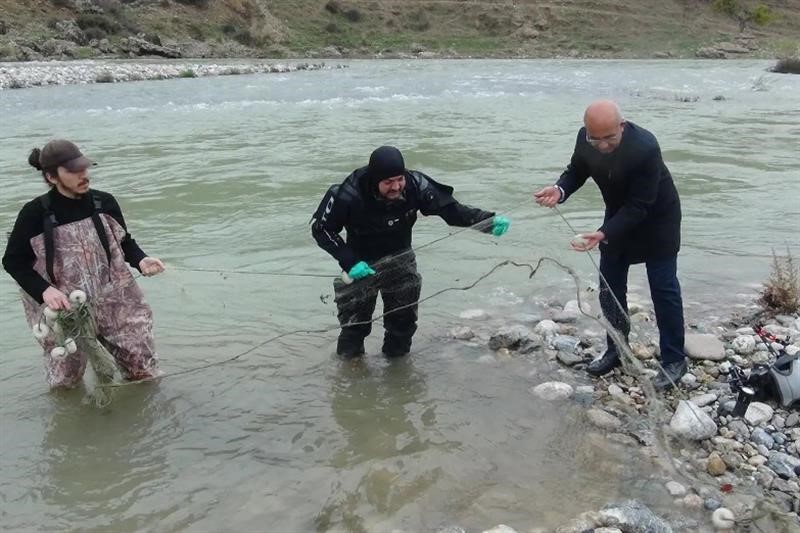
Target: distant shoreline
(22, 75)
(28, 74)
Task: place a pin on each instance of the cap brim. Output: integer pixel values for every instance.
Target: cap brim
(78, 164)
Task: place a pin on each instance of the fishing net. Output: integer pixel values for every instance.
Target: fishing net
(74, 332)
(646, 410)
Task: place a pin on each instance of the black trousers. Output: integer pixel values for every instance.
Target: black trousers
(665, 291)
(399, 285)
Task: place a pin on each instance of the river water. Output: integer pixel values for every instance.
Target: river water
(224, 173)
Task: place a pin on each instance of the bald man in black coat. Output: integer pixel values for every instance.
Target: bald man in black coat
(642, 224)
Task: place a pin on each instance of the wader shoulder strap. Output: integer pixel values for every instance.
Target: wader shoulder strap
(101, 230)
(50, 223)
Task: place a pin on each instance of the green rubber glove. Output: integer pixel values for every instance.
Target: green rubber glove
(500, 225)
(360, 270)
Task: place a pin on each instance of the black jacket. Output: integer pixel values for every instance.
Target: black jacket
(643, 212)
(19, 257)
(378, 228)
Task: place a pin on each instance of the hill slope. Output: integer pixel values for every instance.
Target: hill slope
(30, 29)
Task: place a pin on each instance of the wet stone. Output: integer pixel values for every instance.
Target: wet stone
(635, 517)
(502, 528)
(744, 345)
(762, 438)
(723, 519)
(675, 489)
(569, 358)
(566, 343)
(715, 465)
(758, 413)
(462, 333)
(693, 501)
(704, 346)
(740, 428)
(451, 529)
(712, 504)
(509, 337)
(783, 464)
(553, 391)
(691, 422)
(704, 399)
(615, 390)
(474, 314)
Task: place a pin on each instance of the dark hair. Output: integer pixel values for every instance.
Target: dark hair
(33, 160)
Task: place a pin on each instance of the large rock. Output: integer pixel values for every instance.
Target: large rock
(566, 343)
(451, 529)
(778, 330)
(730, 48)
(740, 428)
(761, 437)
(88, 6)
(331, 51)
(633, 516)
(643, 351)
(783, 464)
(530, 344)
(758, 413)
(716, 465)
(783, 485)
(744, 345)
(58, 48)
(709, 52)
(603, 420)
(527, 33)
(723, 519)
(509, 337)
(704, 346)
(22, 51)
(103, 45)
(569, 358)
(675, 489)
(553, 391)
(546, 328)
(541, 23)
(140, 47)
(70, 31)
(474, 314)
(462, 333)
(585, 522)
(502, 528)
(571, 311)
(691, 422)
(703, 399)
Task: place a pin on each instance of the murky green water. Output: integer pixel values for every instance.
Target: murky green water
(225, 173)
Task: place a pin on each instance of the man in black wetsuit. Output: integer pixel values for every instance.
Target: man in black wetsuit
(377, 205)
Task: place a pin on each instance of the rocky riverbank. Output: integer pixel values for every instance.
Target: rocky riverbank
(722, 471)
(35, 74)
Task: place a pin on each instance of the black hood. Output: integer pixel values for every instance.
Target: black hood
(385, 162)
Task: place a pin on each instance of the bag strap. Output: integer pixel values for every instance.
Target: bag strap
(50, 223)
(101, 230)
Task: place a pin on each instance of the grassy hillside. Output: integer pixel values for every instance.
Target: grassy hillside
(427, 28)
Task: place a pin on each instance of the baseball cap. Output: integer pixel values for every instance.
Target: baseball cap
(63, 153)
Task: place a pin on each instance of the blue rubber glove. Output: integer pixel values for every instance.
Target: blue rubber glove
(360, 270)
(500, 225)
